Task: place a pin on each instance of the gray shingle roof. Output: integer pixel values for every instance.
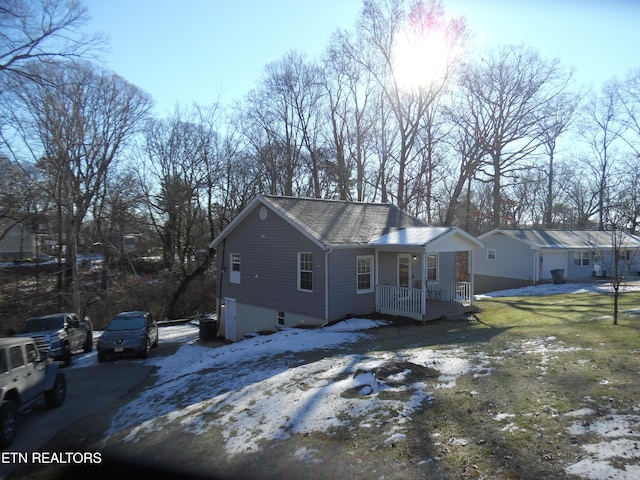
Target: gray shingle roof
(337, 222)
(567, 239)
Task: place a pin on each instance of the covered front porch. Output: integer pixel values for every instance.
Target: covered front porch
(438, 300)
(425, 273)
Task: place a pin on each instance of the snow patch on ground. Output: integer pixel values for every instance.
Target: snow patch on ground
(618, 438)
(252, 392)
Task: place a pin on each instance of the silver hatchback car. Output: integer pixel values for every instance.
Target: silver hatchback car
(128, 334)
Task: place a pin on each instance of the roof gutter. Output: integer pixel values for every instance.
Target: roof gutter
(326, 286)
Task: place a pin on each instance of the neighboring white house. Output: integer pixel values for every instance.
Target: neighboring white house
(512, 258)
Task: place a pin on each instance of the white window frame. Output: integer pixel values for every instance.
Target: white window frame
(309, 264)
(234, 271)
(491, 253)
(360, 274)
(436, 267)
(580, 257)
(280, 318)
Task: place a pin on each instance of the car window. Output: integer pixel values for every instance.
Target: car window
(3, 360)
(17, 358)
(126, 323)
(41, 324)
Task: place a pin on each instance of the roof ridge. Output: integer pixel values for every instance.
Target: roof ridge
(336, 200)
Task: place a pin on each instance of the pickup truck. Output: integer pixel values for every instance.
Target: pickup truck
(59, 334)
(26, 377)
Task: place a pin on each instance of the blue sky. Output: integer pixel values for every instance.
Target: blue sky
(206, 50)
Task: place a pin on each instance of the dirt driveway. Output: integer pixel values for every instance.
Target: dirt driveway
(93, 394)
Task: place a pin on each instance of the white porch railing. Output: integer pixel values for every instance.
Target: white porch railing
(407, 302)
(403, 301)
(459, 292)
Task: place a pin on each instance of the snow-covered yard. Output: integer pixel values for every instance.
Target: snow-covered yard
(253, 391)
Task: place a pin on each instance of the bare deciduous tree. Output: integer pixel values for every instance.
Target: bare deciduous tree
(76, 125)
(43, 31)
(186, 181)
(628, 91)
(602, 130)
(388, 27)
(349, 90)
(555, 119)
(507, 92)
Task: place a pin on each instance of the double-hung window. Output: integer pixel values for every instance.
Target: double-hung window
(581, 259)
(305, 271)
(364, 273)
(234, 276)
(432, 267)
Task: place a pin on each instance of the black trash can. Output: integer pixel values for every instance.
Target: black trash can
(558, 275)
(208, 329)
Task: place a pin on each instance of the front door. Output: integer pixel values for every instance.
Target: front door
(404, 270)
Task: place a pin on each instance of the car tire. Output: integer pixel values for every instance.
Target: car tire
(145, 353)
(155, 344)
(88, 343)
(8, 423)
(66, 354)
(56, 396)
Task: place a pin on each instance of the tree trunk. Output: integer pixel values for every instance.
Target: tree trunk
(184, 284)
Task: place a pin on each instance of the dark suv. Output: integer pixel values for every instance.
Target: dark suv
(128, 333)
(27, 376)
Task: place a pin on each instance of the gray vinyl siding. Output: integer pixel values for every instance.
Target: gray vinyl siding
(447, 266)
(512, 267)
(387, 268)
(514, 259)
(583, 271)
(269, 266)
(344, 298)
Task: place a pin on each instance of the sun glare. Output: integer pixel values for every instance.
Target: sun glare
(419, 62)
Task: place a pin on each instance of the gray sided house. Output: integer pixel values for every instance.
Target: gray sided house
(512, 258)
(295, 262)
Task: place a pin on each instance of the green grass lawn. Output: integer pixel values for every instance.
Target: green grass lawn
(577, 319)
(551, 355)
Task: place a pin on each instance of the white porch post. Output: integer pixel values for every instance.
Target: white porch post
(376, 280)
(423, 284)
(471, 277)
